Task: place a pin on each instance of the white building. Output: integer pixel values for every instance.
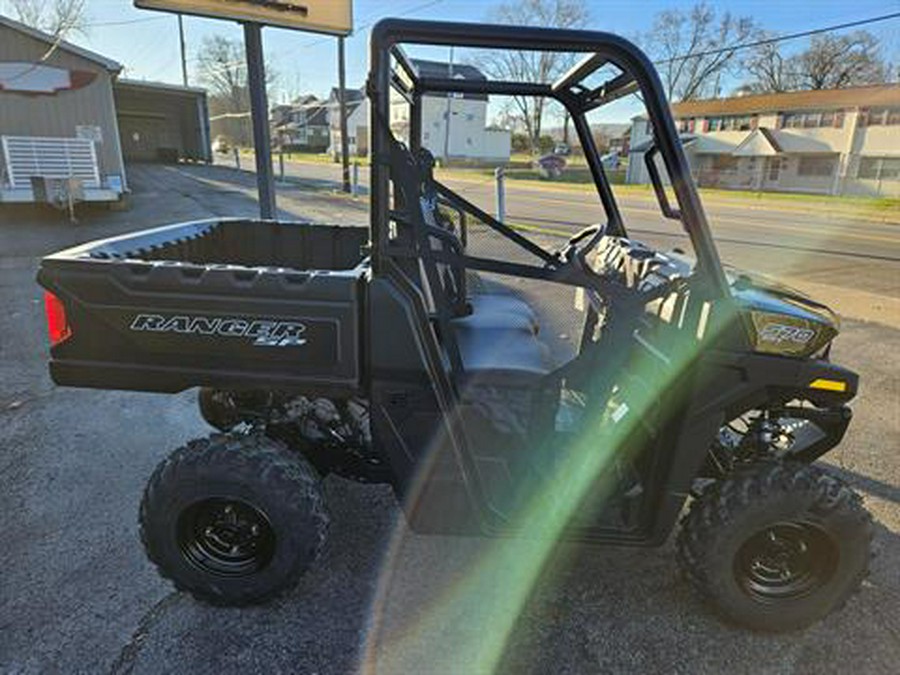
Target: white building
(833, 141)
(357, 122)
(468, 135)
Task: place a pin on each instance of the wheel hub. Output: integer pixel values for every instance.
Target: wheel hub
(225, 537)
(785, 560)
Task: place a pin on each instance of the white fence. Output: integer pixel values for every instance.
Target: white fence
(29, 156)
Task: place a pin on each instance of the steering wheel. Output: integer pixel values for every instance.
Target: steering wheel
(580, 244)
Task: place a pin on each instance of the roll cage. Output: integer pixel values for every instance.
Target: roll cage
(390, 68)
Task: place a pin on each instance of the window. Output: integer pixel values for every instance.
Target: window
(743, 123)
(821, 167)
(868, 167)
(870, 117)
(890, 168)
(879, 168)
(812, 120)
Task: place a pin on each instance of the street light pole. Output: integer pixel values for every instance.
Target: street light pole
(259, 112)
(184, 77)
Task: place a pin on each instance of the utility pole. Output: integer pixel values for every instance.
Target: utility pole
(259, 112)
(184, 79)
(342, 111)
(448, 112)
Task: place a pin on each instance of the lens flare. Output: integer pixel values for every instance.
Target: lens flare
(469, 621)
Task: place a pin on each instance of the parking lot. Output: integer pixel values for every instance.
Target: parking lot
(77, 594)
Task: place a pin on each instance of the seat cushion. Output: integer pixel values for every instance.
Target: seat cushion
(500, 310)
(504, 356)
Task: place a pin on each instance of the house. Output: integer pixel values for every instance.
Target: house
(302, 126)
(830, 141)
(357, 121)
(57, 117)
(466, 135)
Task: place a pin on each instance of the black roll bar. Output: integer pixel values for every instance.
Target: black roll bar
(388, 34)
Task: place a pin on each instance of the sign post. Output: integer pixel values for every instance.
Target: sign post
(332, 17)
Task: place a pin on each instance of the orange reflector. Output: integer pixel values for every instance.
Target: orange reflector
(828, 385)
(57, 323)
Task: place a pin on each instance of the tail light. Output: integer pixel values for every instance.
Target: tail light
(57, 324)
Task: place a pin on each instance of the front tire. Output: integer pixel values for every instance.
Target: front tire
(776, 546)
(233, 519)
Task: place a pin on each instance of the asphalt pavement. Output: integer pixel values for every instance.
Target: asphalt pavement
(77, 594)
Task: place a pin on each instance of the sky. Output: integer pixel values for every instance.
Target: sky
(146, 42)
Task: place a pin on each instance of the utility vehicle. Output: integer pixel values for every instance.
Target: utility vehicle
(392, 354)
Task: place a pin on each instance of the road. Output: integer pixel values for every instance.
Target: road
(794, 239)
(77, 595)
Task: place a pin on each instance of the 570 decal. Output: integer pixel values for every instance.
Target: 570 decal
(261, 332)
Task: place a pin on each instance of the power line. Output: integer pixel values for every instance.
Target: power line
(124, 22)
(781, 38)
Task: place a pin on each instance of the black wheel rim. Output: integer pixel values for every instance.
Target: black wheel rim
(225, 537)
(785, 561)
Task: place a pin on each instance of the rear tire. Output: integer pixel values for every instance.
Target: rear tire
(233, 519)
(776, 546)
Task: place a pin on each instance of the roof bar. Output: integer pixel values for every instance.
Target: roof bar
(401, 87)
(404, 62)
(609, 91)
(501, 87)
(580, 71)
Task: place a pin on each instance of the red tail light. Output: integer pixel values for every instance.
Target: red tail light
(57, 324)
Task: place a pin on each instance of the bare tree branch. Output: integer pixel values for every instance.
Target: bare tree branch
(59, 18)
(833, 62)
(531, 66)
(694, 49)
(830, 62)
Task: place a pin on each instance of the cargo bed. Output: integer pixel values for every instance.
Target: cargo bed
(227, 303)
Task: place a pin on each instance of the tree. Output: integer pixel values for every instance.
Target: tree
(525, 66)
(770, 71)
(829, 62)
(832, 62)
(59, 18)
(222, 67)
(693, 50)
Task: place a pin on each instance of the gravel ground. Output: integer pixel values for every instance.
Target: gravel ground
(77, 595)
